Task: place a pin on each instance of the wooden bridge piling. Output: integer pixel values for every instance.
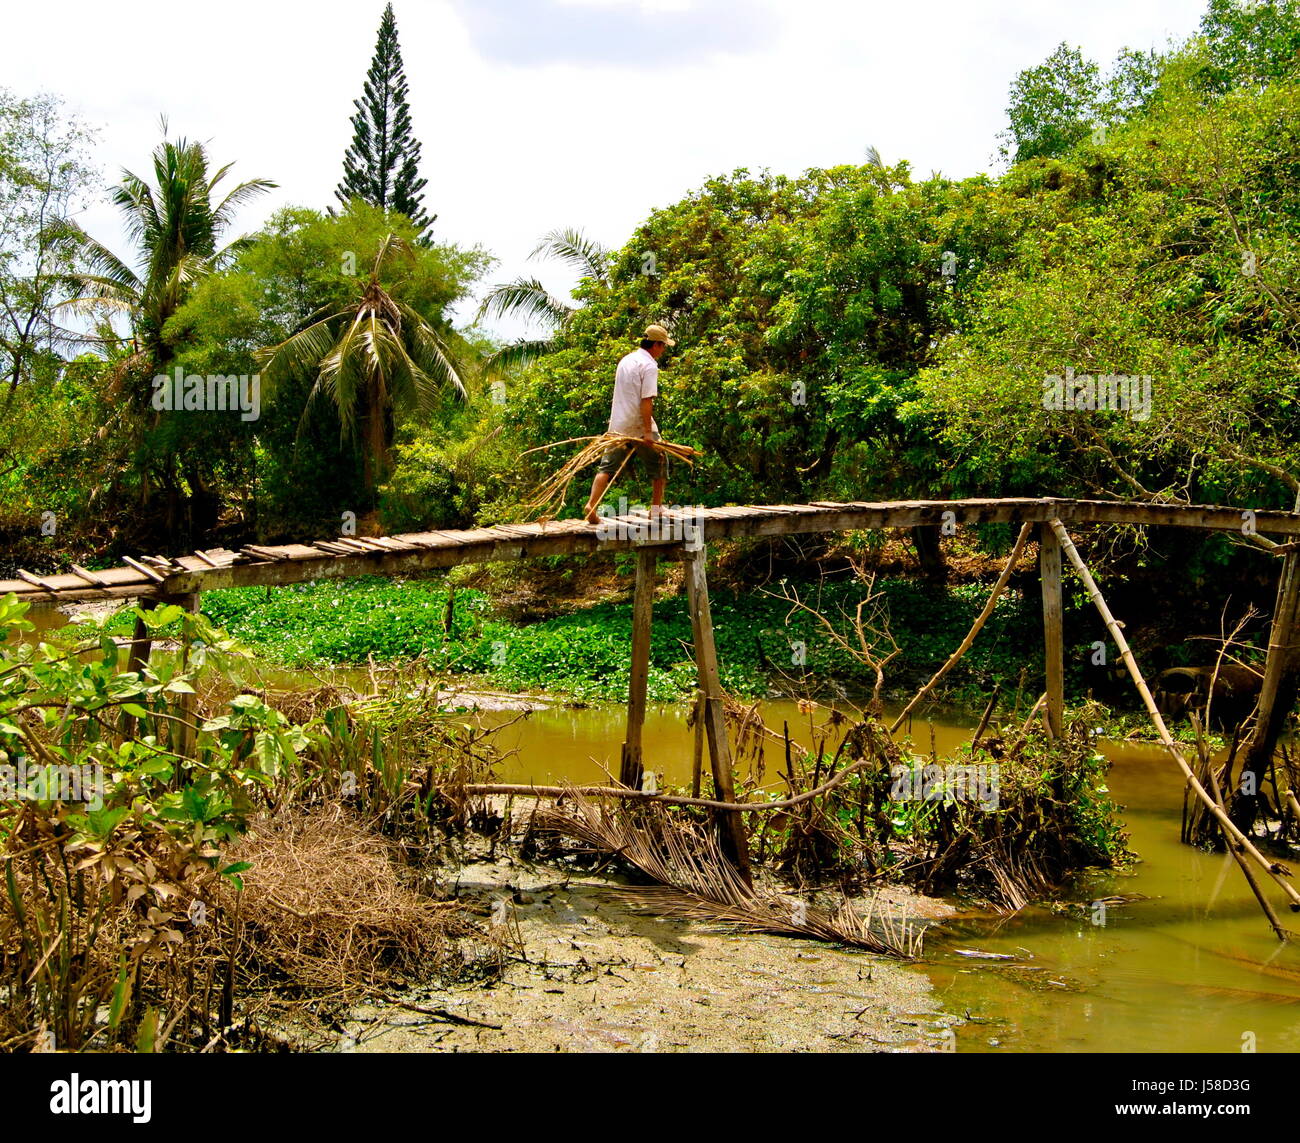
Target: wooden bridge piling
(1049, 563)
(630, 770)
(1277, 688)
(735, 843)
(138, 656)
(189, 704)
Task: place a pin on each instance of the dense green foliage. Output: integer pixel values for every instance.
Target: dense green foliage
(584, 654)
(854, 333)
(303, 268)
(846, 333)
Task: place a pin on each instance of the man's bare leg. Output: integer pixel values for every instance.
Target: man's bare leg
(598, 487)
(657, 498)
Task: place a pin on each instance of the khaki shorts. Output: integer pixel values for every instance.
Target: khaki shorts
(653, 463)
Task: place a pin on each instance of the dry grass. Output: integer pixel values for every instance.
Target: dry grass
(326, 908)
(111, 955)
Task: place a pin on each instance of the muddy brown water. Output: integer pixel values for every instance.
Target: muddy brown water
(1192, 966)
(1189, 966)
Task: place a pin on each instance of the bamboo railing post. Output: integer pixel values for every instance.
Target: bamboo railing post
(1049, 562)
(735, 843)
(697, 753)
(1233, 836)
(630, 768)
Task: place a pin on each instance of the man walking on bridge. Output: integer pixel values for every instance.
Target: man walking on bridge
(636, 384)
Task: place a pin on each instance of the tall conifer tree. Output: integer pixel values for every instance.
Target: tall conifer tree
(382, 166)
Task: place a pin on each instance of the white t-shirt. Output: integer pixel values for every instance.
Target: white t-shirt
(637, 377)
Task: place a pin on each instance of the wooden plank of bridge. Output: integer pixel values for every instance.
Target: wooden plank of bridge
(731, 823)
(630, 769)
(429, 539)
(1049, 562)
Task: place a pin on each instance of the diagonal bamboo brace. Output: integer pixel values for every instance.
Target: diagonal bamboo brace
(955, 657)
(1235, 837)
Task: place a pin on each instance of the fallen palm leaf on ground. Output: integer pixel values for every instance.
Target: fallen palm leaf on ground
(698, 883)
(549, 496)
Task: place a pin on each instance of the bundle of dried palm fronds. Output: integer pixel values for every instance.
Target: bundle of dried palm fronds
(699, 883)
(549, 496)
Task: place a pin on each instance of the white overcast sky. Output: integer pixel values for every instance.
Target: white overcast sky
(535, 114)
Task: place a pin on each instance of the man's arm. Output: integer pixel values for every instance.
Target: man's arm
(649, 390)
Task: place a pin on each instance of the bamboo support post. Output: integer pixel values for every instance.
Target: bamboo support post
(630, 769)
(1282, 660)
(138, 657)
(1234, 836)
(988, 714)
(697, 754)
(188, 701)
(735, 843)
(955, 657)
(1049, 562)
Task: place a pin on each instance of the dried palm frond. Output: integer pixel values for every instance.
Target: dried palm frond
(699, 883)
(549, 496)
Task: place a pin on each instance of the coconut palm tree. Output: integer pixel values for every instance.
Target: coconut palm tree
(177, 225)
(528, 298)
(369, 359)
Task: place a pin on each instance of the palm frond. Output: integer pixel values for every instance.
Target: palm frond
(392, 244)
(518, 354)
(526, 297)
(343, 373)
(104, 270)
(92, 306)
(431, 354)
(135, 199)
(300, 354)
(223, 212)
(570, 246)
(696, 880)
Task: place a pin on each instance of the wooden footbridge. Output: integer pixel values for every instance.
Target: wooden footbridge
(156, 577)
(684, 535)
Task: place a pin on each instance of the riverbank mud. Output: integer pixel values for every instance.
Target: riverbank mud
(596, 973)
